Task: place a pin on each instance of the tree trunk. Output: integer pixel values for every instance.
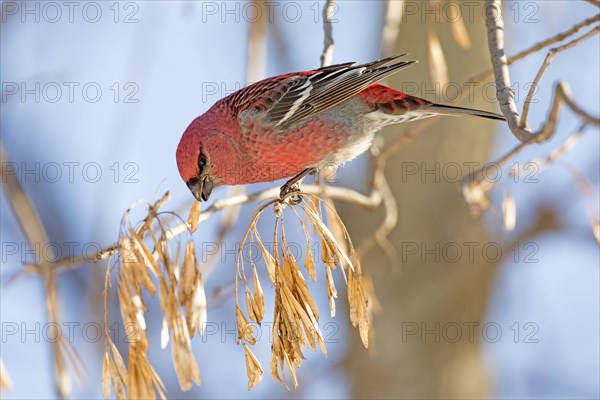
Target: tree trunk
(428, 335)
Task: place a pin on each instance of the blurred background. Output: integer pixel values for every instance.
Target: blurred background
(95, 96)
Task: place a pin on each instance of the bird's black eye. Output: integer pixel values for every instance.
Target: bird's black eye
(201, 162)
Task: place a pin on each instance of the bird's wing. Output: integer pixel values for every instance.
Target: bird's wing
(287, 99)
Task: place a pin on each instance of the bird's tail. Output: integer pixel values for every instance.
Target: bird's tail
(395, 107)
(453, 110)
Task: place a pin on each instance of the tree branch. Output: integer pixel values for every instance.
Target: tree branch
(36, 236)
(553, 52)
(537, 47)
(505, 94)
(327, 54)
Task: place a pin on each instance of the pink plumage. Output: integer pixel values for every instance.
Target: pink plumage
(281, 126)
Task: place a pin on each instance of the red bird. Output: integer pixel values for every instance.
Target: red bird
(292, 124)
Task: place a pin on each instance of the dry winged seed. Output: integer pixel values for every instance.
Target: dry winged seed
(327, 255)
(308, 331)
(135, 263)
(304, 295)
(275, 349)
(295, 307)
(189, 271)
(194, 217)
(124, 300)
(140, 383)
(105, 375)
(327, 236)
(245, 330)
(253, 368)
(331, 291)
(309, 262)
(145, 252)
(509, 213)
(118, 360)
(156, 381)
(139, 312)
(251, 307)
(60, 374)
(164, 297)
(259, 298)
(117, 382)
(438, 67)
(270, 261)
(292, 370)
(293, 313)
(173, 268)
(185, 363)
(337, 229)
(476, 196)
(358, 307)
(460, 33)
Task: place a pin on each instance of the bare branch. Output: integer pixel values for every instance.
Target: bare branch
(25, 213)
(506, 96)
(257, 47)
(538, 46)
(257, 52)
(327, 54)
(553, 52)
(566, 146)
(337, 193)
(36, 235)
(588, 194)
(476, 188)
(391, 26)
(594, 2)
(382, 188)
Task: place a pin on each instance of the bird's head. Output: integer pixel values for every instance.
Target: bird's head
(203, 156)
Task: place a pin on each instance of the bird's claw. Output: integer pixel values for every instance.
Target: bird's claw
(288, 188)
(293, 186)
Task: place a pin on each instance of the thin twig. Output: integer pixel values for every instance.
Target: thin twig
(565, 147)
(553, 52)
(505, 94)
(36, 236)
(256, 64)
(327, 54)
(25, 213)
(587, 192)
(337, 193)
(379, 237)
(257, 46)
(537, 47)
(391, 26)
(594, 2)
(346, 195)
(381, 187)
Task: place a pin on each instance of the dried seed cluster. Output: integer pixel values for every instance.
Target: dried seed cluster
(170, 269)
(296, 317)
(182, 301)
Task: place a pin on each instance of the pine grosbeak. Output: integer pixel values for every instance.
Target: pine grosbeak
(292, 124)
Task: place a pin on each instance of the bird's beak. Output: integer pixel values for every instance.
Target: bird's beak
(201, 187)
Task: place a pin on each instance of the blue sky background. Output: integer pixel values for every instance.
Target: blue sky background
(170, 61)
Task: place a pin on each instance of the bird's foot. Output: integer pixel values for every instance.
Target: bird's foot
(288, 188)
(293, 186)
